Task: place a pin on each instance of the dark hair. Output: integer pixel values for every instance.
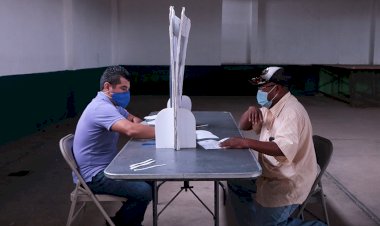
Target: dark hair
(112, 75)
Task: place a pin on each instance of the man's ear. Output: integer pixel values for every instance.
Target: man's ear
(279, 87)
(106, 86)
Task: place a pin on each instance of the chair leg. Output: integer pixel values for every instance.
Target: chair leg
(300, 214)
(79, 210)
(73, 213)
(224, 192)
(71, 216)
(100, 207)
(324, 207)
(301, 209)
(110, 222)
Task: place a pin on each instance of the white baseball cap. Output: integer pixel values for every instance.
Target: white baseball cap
(271, 74)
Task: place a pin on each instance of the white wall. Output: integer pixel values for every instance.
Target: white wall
(322, 32)
(301, 32)
(51, 35)
(376, 28)
(91, 34)
(30, 36)
(144, 35)
(236, 31)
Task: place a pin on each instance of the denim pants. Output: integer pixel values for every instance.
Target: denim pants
(248, 212)
(138, 193)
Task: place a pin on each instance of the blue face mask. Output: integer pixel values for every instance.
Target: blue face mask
(262, 98)
(121, 99)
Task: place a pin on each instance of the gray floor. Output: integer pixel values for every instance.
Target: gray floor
(35, 181)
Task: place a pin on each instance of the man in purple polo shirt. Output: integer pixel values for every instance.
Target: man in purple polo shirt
(95, 144)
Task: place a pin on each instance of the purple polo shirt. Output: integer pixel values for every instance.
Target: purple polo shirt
(95, 145)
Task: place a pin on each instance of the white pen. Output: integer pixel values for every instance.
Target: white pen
(137, 166)
(142, 164)
(148, 167)
(201, 125)
(146, 162)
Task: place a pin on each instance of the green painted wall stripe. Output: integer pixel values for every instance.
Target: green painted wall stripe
(32, 101)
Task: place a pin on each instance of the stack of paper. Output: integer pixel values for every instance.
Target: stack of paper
(208, 140)
(204, 134)
(150, 120)
(209, 144)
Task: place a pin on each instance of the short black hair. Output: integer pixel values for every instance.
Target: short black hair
(112, 75)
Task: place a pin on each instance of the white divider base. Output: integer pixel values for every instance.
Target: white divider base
(184, 137)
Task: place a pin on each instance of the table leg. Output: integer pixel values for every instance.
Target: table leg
(216, 203)
(154, 203)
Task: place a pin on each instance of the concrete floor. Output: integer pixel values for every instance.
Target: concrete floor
(35, 182)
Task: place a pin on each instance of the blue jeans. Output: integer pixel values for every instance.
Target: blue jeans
(249, 212)
(138, 193)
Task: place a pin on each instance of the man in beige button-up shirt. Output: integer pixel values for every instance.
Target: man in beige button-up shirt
(286, 154)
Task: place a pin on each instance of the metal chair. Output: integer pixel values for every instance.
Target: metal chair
(323, 149)
(82, 193)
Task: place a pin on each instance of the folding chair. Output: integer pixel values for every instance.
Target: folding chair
(82, 193)
(323, 150)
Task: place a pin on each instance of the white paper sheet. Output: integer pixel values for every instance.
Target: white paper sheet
(150, 117)
(204, 134)
(209, 144)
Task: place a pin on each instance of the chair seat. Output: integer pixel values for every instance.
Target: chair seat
(83, 196)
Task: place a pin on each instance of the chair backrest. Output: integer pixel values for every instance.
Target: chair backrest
(66, 146)
(323, 150)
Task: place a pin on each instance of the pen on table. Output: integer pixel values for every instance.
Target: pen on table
(149, 143)
(148, 167)
(146, 162)
(202, 125)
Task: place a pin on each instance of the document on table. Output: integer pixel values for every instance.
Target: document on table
(209, 144)
(207, 139)
(150, 119)
(204, 134)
